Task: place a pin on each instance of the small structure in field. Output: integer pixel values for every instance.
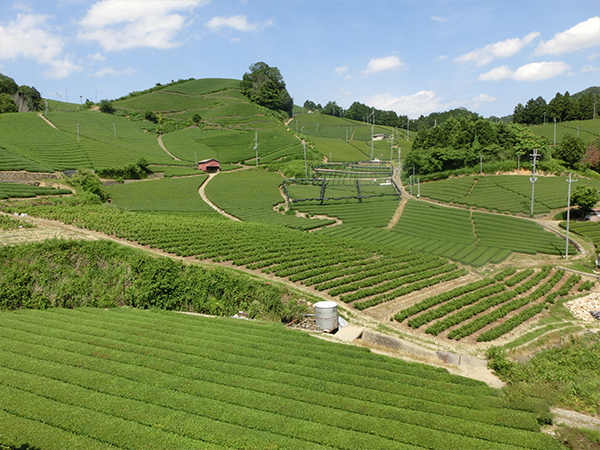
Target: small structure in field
(378, 137)
(210, 165)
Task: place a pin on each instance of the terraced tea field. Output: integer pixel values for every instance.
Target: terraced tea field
(167, 195)
(506, 193)
(32, 143)
(14, 190)
(124, 378)
(472, 238)
(492, 307)
(251, 195)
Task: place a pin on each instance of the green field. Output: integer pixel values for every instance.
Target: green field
(15, 190)
(125, 378)
(97, 138)
(250, 195)
(469, 309)
(34, 141)
(503, 193)
(473, 238)
(231, 146)
(588, 130)
(164, 195)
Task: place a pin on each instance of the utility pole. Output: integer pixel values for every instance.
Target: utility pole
(418, 187)
(408, 129)
(533, 178)
(568, 216)
(81, 102)
(77, 132)
(115, 129)
(410, 182)
(480, 164)
(256, 146)
(555, 131)
(305, 168)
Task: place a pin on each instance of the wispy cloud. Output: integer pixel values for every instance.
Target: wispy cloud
(115, 73)
(501, 49)
(422, 102)
(238, 23)
(341, 70)
(529, 72)
(584, 34)
(438, 19)
(30, 37)
(120, 25)
(381, 64)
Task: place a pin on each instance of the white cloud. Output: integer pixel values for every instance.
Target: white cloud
(529, 72)
(442, 57)
(584, 34)
(341, 70)
(119, 25)
(438, 19)
(115, 73)
(96, 57)
(589, 68)
(540, 71)
(381, 64)
(30, 37)
(502, 49)
(496, 74)
(423, 102)
(484, 98)
(238, 23)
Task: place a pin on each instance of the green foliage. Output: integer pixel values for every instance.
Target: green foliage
(264, 85)
(149, 115)
(571, 150)
(86, 181)
(136, 171)
(463, 142)
(568, 375)
(197, 118)
(103, 274)
(7, 104)
(8, 223)
(106, 106)
(8, 85)
(586, 197)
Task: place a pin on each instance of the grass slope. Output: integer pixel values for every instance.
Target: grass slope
(164, 195)
(503, 193)
(134, 379)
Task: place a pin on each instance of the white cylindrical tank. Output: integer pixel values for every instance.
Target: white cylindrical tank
(326, 315)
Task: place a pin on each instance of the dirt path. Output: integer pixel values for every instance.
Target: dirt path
(47, 121)
(160, 142)
(397, 214)
(211, 204)
(575, 419)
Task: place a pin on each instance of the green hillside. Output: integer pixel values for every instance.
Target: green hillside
(588, 130)
(132, 379)
(227, 131)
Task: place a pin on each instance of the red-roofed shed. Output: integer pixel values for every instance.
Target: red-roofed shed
(209, 165)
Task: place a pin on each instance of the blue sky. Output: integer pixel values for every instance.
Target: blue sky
(415, 57)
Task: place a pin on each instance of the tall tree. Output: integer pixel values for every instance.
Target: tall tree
(570, 150)
(264, 85)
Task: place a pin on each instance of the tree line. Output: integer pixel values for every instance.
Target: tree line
(563, 107)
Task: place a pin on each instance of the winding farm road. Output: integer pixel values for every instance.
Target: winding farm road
(160, 142)
(211, 204)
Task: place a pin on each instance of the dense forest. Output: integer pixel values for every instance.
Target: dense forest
(581, 106)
